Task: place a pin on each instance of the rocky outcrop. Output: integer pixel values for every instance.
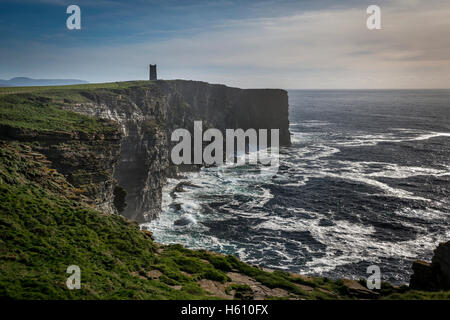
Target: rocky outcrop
(441, 265)
(148, 112)
(435, 275)
(354, 289)
(87, 160)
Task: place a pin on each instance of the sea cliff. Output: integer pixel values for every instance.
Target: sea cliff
(146, 113)
(72, 157)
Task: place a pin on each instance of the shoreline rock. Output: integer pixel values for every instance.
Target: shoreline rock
(433, 276)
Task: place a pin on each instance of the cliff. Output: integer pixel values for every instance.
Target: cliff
(148, 112)
(86, 159)
(63, 173)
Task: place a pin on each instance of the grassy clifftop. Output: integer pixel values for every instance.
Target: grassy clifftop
(67, 89)
(47, 224)
(39, 108)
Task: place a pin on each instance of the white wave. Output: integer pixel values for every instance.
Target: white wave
(431, 135)
(348, 242)
(345, 242)
(425, 214)
(315, 152)
(389, 191)
(262, 199)
(302, 137)
(310, 123)
(403, 172)
(403, 135)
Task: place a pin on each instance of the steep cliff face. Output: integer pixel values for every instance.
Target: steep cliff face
(85, 150)
(148, 112)
(223, 107)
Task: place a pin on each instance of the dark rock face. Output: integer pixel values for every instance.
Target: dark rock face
(441, 265)
(148, 114)
(434, 275)
(183, 221)
(223, 107)
(422, 278)
(87, 160)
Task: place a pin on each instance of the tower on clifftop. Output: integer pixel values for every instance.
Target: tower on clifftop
(153, 72)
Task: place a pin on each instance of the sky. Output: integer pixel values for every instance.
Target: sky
(291, 44)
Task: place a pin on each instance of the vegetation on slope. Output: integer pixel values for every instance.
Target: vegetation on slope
(72, 89)
(44, 228)
(40, 108)
(46, 225)
(29, 111)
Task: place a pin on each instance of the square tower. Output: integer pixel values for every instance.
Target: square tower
(153, 72)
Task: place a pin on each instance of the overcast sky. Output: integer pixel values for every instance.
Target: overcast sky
(272, 43)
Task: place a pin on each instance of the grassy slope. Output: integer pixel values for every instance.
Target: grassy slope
(45, 227)
(39, 108)
(70, 89)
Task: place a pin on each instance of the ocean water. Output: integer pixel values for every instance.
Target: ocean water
(365, 182)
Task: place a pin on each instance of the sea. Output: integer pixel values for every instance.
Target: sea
(365, 182)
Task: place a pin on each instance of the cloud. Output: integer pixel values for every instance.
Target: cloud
(312, 49)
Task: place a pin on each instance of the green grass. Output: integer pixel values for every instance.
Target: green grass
(418, 295)
(237, 287)
(27, 111)
(40, 108)
(75, 87)
(42, 233)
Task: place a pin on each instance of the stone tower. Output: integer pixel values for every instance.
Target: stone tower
(153, 72)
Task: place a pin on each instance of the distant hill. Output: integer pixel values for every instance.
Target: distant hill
(28, 82)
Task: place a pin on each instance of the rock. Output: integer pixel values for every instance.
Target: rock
(148, 234)
(176, 287)
(178, 187)
(257, 289)
(245, 294)
(184, 220)
(422, 278)
(441, 265)
(434, 276)
(357, 290)
(154, 274)
(87, 162)
(305, 288)
(136, 274)
(177, 206)
(301, 276)
(215, 288)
